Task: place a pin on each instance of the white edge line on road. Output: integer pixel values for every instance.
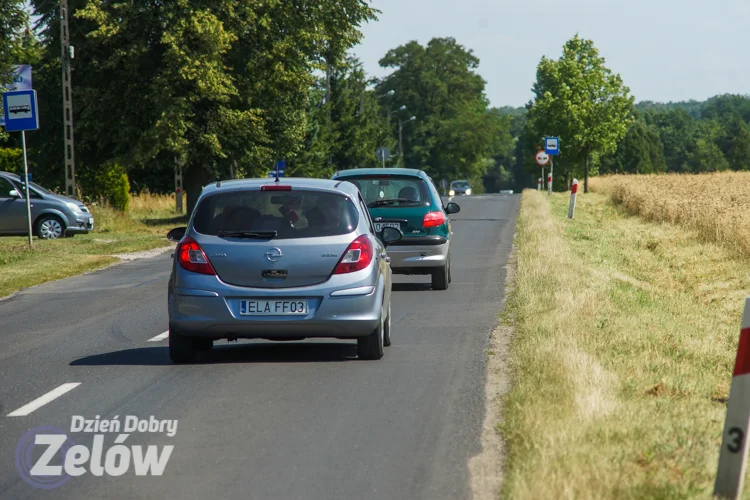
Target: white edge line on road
(159, 337)
(43, 400)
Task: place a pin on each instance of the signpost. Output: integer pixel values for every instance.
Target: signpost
(542, 159)
(551, 148)
(730, 474)
(21, 81)
(383, 153)
(20, 113)
(279, 167)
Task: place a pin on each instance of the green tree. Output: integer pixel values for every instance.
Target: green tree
(206, 83)
(639, 152)
(580, 100)
(454, 131)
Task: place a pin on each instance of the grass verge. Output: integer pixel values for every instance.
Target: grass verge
(625, 337)
(143, 228)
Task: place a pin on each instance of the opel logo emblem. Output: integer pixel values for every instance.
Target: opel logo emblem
(274, 254)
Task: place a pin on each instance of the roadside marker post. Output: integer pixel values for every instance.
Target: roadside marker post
(573, 191)
(539, 184)
(730, 475)
(549, 183)
(21, 114)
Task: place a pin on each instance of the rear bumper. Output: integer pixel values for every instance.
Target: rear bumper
(198, 313)
(413, 255)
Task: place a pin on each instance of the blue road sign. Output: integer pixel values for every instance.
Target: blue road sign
(552, 145)
(21, 81)
(280, 166)
(20, 110)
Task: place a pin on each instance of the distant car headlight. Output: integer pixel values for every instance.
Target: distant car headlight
(468, 191)
(451, 193)
(75, 208)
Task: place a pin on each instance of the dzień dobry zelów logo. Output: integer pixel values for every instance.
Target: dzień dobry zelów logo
(47, 457)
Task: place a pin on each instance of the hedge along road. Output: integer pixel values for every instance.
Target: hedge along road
(260, 419)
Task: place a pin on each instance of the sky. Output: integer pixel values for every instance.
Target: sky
(665, 50)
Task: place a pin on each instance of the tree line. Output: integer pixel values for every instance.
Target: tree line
(223, 90)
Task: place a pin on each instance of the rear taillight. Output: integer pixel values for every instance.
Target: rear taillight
(433, 219)
(275, 187)
(358, 256)
(192, 257)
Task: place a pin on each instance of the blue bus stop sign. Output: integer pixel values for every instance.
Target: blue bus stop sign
(552, 145)
(20, 110)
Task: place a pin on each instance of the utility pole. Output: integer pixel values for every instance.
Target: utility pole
(67, 56)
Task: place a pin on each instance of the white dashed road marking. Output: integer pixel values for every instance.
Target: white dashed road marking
(159, 337)
(43, 400)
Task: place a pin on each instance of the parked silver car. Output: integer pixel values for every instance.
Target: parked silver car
(52, 215)
(280, 261)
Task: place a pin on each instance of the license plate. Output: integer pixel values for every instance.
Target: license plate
(380, 225)
(273, 307)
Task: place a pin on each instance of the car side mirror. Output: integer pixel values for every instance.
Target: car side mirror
(390, 235)
(452, 208)
(14, 194)
(176, 234)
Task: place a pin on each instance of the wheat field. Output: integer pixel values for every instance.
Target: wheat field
(716, 205)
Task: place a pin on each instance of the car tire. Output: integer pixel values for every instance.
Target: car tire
(371, 347)
(181, 348)
(440, 277)
(49, 227)
(449, 271)
(203, 344)
(387, 328)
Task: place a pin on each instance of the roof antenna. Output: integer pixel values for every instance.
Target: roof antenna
(277, 172)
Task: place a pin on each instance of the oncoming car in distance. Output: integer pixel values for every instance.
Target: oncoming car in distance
(261, 259)
(459, 188)
(407, 200)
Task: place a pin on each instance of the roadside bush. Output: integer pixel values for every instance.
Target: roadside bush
(110, 183)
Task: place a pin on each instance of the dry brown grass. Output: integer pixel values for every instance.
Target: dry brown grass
(625, 336)
(717, 205)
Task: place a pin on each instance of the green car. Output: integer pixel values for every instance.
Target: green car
(408, 200)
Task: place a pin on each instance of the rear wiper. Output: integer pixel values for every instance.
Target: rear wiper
(386, 201)
(261, 235)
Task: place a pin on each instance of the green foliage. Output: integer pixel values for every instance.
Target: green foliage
(580, 100)
(109, 182)
(11, 160)
(438, 84)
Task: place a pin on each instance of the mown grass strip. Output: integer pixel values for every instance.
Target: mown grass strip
(625, 336)
(143, 228)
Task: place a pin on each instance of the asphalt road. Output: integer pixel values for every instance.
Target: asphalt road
(259, 419)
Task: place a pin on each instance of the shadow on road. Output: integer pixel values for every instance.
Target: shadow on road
(411, 287)
(270, 352)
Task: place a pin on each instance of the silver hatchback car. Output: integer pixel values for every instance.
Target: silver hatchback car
(280, 260)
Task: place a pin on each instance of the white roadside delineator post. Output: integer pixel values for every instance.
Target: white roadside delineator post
(573, 191)
(549, 183)
(539, 184)
(733, 453)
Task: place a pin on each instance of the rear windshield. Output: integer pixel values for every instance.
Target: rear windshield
(293, 214)
(384, 192)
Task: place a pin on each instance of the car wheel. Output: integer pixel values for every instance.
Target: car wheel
(387, 328)
(440, 277)
(181, 348)
(371, 347)
(49, 227)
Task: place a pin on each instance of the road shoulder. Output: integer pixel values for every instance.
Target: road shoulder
(486, 468)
